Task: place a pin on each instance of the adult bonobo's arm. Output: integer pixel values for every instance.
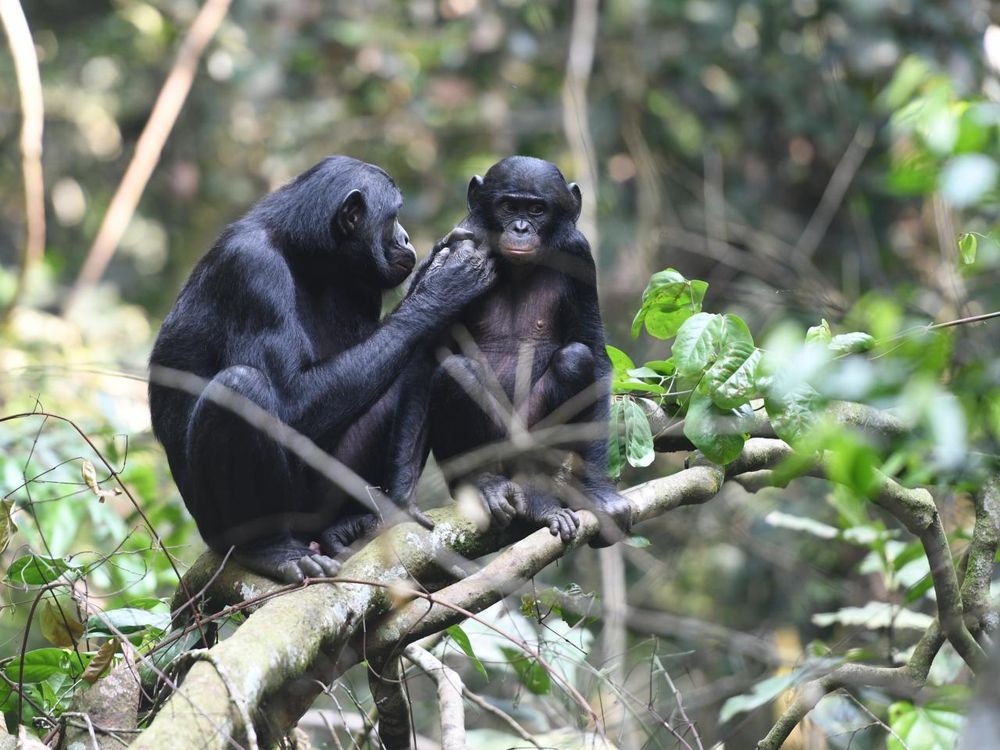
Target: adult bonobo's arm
(336, 390)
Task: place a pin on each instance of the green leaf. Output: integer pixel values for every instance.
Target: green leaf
(922, 727)
(668, 300)
(967, 245)
(732, 380)
(639, 542)
(762, 692)
(698, 343)
(794, 413)
(820, 334)
(914, 593)
(637, 386)
(852, 462)
(462, 639)
(126, 621)
(621, 363)
(531, 674)
(852, 343)
(616, 439)
(713, 431)
(638, 435)
(39, 665)
(36, 570)
(662, 367)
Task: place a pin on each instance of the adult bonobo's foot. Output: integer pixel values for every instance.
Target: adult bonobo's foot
(503, 498)
(335, 540)
(615, 516)
(285, 559)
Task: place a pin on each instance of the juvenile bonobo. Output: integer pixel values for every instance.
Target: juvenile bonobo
(534, 343)
(284, 312)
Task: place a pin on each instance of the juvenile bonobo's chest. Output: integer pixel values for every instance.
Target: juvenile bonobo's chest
(523, 315)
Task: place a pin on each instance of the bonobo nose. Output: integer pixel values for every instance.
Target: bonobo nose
(521, 226)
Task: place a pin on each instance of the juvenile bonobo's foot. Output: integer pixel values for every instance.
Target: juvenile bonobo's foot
(614, 513)
(336, 539)
(285, 559)
(544, 509)
(503, 498)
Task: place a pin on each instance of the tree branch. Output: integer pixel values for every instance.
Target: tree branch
(449, 689)
(148, 148)
(29, 87)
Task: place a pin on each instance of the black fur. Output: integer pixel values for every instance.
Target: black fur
(543, 313)
(284, 311)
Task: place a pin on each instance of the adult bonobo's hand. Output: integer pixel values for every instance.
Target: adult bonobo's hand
(455, 273)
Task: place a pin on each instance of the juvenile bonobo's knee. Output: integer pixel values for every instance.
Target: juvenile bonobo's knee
(574, 363)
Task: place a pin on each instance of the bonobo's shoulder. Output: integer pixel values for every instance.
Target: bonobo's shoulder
(245, 253)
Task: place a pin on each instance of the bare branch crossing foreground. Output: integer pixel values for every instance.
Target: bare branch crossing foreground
(305, 636)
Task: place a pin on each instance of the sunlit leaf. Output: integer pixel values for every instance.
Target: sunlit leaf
(922, 727)
(36, 570)
(698, 342)
(620, 361)
(967, 245)
(668, 300)
(819, 334)
(852, 343)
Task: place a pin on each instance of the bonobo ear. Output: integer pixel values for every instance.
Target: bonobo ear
(577, 199)
(474, 184)
(351, 212)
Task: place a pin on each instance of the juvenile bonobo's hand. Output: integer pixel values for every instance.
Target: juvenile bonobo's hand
(455, 273)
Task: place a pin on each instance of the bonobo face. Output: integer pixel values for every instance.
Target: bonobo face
(368, 221)
(523, 202)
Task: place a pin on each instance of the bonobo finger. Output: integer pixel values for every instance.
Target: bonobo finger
(501, 510)
(458, 234)
(515, 496)
(289, 572)
(309, 566)
(566, 524)
(419, 516)
(329, 566)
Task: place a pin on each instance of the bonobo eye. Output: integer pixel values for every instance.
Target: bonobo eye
(536, 209)
(506, 206)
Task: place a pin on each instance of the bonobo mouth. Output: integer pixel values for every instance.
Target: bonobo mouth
(403, 259)
(518, 252)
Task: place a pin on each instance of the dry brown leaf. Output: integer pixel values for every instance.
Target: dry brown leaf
(58, 623)
(99, 664)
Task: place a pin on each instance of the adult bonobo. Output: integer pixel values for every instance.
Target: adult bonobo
(528, 354)
(284, 311)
